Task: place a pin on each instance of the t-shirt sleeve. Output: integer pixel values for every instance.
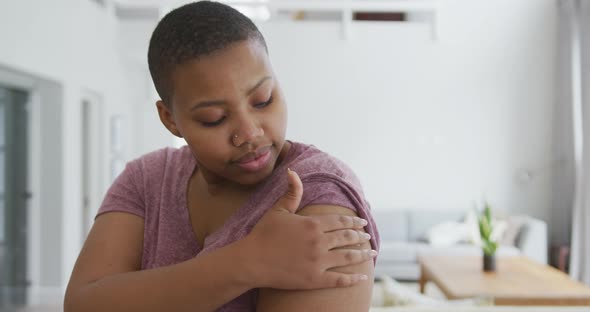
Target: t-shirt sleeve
(326, 189)
(126, 193)
(326, 192)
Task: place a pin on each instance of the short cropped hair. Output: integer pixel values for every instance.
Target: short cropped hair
(191, 31)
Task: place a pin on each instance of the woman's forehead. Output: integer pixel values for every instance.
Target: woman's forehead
(236, 68)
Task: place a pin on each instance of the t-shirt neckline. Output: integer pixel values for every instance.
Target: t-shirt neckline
(183, 202)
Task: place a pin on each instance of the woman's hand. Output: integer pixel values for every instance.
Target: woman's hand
(295, 252)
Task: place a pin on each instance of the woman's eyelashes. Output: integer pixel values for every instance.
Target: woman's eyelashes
(213, 123)
(219, 121)
(264, 104)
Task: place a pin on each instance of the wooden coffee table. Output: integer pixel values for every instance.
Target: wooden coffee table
(517, 281)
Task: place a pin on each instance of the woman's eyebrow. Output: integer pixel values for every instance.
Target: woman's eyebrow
(221, 102)
(258, 84)
(207, 104)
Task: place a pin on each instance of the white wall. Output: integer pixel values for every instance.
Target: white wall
(134, 36)
(73, 43)
(430, 124)
(425, 124)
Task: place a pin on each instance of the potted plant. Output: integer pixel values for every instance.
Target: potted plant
(488, 244)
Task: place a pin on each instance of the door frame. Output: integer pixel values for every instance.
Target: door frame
(28, 84)
(96, 164)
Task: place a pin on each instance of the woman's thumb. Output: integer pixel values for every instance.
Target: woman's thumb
(291, 199)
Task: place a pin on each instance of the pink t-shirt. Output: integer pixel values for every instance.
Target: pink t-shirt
(154, 187)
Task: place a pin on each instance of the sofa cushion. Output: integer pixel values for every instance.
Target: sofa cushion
(469, 250)
(515, 226)
(400, 251)
(419, 221)
(448, 233)
(401, 271)
(392, 225)
(397, 252)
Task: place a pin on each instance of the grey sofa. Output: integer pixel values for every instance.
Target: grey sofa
(402, 240)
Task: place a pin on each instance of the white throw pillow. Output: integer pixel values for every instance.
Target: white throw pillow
(447, 234)
(515, 225)
(450, 232)
(472, 224)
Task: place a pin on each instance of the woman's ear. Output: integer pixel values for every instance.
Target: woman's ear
(167, 118)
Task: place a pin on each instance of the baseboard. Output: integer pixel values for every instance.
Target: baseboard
(50, 296)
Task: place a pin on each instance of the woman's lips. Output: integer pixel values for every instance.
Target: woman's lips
(257, 163)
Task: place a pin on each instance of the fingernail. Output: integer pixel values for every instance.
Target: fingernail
(373, 253)
(363, 277)
(363, 221)
(366, 235)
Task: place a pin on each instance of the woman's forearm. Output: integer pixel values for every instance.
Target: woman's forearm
(200, 284)
(283, 251)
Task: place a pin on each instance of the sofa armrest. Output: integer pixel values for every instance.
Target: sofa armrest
(532, 240)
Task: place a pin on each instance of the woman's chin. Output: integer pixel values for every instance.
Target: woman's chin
(253, 178)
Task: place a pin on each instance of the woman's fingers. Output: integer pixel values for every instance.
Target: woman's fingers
(291, 199)
(344, 257)
(329, 223)
(341, 238)
(335, 279)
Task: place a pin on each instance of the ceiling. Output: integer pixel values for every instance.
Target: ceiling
(155, 9)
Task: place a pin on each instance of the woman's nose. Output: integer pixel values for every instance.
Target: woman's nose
(248, 131)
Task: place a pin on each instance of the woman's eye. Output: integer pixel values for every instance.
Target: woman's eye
(213, 123)
(264, 104)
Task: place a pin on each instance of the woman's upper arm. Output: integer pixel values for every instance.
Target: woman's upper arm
(355, 298)
(114, 245)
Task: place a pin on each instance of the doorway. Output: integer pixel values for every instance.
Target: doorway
(14, 196)
(91, 146)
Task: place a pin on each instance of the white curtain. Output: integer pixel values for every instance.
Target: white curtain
(575, 93)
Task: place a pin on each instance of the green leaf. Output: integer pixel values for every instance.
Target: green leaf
(488, 212)
(485, 230)
(489, 247)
